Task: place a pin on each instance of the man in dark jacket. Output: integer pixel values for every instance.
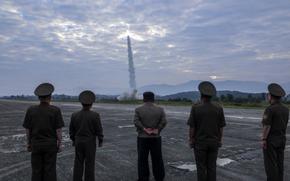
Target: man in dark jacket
(43, 125)
(274, 122)
(84, 127)
(206, 123)
(149, 120)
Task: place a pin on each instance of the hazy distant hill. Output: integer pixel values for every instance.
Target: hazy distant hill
(231, 85)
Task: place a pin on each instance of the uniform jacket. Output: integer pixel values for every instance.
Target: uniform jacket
(207, 119)
(42, 121)
(85, 124)
(276, 115)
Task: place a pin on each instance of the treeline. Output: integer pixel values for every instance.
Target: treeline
(59, 97)
(20, 97)
(249, 99)
(230, 98)
(225, 98)
(55, 97)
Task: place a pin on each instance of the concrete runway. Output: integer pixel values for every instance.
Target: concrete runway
(240, 158)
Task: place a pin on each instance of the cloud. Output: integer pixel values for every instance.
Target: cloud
(188, 39)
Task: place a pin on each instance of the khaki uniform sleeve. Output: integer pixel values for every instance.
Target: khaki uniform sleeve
(27, 120)
(287, 117)
(222, 120)
(191, 119)
(99, 127)
(267, 117)
(137, 120)
(72, 130)
(59, 120)
(163, 120)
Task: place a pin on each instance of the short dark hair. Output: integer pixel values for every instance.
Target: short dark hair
(87, 105)
(148, 97)
(206, 96)
(41, 98)
(275, 97)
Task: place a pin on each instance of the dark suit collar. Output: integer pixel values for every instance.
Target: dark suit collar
(276, 102)
(149, 103)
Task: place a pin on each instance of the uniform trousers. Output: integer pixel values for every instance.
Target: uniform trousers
(152, 146)
(274, 160)
(84, 164)
(43, 162)
(205, 158)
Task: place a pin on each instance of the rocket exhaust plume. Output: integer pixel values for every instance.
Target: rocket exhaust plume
(132, 79)
(132, 94)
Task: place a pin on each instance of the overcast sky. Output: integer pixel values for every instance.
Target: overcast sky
(81, 44)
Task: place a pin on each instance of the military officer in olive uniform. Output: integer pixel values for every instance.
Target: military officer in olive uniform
(206, 123)
(43, 125)
(149, 120)
(84, 127)
(274, 122)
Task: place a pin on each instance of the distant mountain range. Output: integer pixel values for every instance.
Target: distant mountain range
(187, 90)
(230, 85)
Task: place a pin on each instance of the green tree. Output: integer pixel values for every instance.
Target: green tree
(230, 97)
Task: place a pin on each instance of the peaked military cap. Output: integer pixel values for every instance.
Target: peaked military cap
(44, 89)
(87, 97)
(207, 88)
(276, 90)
